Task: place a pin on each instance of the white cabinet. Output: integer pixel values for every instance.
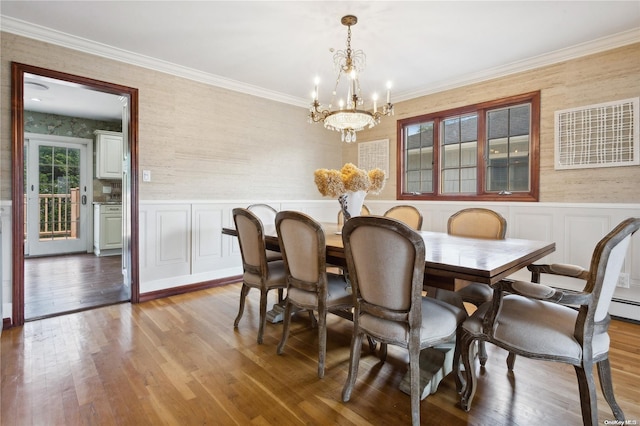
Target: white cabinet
(108, 154)
(107, 229)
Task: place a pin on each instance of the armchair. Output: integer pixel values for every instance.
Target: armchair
(540, 322)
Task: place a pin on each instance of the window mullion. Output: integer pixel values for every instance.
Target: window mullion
(482, 152)
(437, 161)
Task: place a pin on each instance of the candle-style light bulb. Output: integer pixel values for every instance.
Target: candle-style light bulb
(388, 90)
(316, 82)
(341, 103)
(375, 102)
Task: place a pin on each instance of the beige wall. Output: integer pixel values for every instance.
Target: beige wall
(204, 142)
(200, 142)
(608, 76)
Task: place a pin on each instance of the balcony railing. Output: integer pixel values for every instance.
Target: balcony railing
(59, 214)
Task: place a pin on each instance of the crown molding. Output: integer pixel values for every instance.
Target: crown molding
(37, 32)
(29, 30)
(573, 52)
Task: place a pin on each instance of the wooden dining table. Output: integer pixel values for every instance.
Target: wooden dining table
(450, 261)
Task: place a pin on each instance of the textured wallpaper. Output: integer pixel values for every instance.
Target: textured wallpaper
(60, 125)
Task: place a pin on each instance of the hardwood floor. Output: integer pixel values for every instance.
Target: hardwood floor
(179, 361)
(71, 283)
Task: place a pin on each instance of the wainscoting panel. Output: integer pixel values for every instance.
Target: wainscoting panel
(534, 225)
(582, 233)
(167, 241)
(173, 244)
(207, 237)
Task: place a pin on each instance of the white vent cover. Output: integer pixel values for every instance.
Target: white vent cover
(602, 135)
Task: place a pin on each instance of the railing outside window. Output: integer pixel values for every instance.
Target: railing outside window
(59, 215)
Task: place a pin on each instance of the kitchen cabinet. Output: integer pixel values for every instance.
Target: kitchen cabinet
(108, 154)
(107, 229)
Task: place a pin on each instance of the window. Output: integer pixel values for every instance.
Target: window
(487, 151)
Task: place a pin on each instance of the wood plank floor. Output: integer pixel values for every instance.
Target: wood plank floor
(179, 361)
(69, 283)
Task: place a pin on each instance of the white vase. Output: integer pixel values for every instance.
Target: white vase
(351, 203)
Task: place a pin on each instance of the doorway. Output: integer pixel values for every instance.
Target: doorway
(74, 230)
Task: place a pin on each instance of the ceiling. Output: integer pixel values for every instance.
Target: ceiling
(275, 49)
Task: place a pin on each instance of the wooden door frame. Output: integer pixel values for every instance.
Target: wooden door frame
(17, 173)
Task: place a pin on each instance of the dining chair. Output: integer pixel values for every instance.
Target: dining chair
(546, 323)
(406, 214)
(309, 285)
(267, 216)
(477, 223)
(258, 272)
(363, 212)
(386, 262)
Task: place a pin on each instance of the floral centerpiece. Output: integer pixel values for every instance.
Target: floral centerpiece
(350, 184)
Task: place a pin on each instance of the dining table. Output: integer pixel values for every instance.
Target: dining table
(451, 262)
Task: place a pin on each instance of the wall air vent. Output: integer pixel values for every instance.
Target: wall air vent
(601, 135)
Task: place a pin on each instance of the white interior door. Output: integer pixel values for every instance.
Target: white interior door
(57, 195)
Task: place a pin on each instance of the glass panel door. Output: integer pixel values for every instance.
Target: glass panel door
(56, 198)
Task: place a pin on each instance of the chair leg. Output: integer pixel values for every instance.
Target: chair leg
(414, 367)
(322, 341)
(354, 360)
(243, 296)
(511, 360)
(263, 314)
(470, 380)
(457, 361)
(604, 374)
(372, 344)
(286, 322)
(588, 398)
(312, 317)
(383, 351)
(482, 353)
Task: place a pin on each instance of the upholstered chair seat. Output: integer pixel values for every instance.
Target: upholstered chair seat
(274, 279)
(439, 320)
(553, 334)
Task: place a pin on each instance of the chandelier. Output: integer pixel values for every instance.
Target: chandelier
(350, 117)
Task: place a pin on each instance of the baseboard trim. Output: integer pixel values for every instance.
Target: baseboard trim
(173, 291)
(6, 323)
